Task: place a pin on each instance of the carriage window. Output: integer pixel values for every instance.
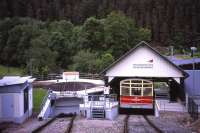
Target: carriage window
(128, 81)
(136, 91)
(125, 91)
(136, 81)
(126, 85)
(136, 87)
(147, 91)
(147, 85)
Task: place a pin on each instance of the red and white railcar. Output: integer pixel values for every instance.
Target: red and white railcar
(136, 93)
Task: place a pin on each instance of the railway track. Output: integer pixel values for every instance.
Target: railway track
(62, 123)
(139, 124)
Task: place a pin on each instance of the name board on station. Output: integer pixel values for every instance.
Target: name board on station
(144, 65)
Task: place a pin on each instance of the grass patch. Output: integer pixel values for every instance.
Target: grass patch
(38, 95)
(10, 71)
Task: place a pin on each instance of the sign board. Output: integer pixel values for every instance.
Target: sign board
(149, 64)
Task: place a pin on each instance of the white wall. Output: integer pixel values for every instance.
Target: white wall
(0, 106)
(17, 104)
(67, 105)
(142, 55)
(30, 98)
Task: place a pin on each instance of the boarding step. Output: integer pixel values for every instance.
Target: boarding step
(98, 113)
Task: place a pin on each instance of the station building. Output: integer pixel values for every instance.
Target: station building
(140, 65)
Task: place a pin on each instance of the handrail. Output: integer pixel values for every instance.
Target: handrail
(101, 100)
(44, 99)
(193, 107)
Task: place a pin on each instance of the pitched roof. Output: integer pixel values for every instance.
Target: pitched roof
(143, 43)
(71, 86)
(13, 80)
(180, 62)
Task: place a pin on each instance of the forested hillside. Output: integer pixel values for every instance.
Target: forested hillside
(165, 18)
(49, 46)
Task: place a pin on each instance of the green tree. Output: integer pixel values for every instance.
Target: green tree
(43, 60)
(16, 40)
(10, 49)
(75, 39)
(60, 41)
(5, 26)
(121, 33)
(105, 60)
(85, 61)
(92, 35)
(62, 26)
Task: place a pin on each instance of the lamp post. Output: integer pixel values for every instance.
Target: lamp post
(193, 50)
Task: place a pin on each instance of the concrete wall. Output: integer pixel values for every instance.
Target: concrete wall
(192, 83)
(66, 105)
(112, 113)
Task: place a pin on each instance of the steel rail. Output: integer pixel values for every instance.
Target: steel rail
(40, 128)
(70, 126)
(152, 124)
(146, 119)
(126, 124)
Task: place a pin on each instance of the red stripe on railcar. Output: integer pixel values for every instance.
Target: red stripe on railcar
(136, 99)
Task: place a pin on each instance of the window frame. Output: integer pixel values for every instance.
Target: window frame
(136, 83)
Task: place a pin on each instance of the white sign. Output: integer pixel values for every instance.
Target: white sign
(142, 65)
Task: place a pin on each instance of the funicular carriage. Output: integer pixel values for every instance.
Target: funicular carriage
(136, 93)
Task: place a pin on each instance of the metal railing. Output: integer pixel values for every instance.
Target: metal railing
(110, 97)
(45, 99)
(193, 106)
(101, 100)
(90, 76)
(55, 76)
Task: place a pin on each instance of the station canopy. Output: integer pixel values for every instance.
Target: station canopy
(144, 62)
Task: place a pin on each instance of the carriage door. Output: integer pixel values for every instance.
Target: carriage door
(136, 93)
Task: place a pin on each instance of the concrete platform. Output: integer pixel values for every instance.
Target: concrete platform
(110, 108)
(166, 105)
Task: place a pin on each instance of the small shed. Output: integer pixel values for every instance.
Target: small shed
(16, 101)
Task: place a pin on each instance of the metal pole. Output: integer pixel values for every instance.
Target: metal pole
(193, 78)
(193, 49)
